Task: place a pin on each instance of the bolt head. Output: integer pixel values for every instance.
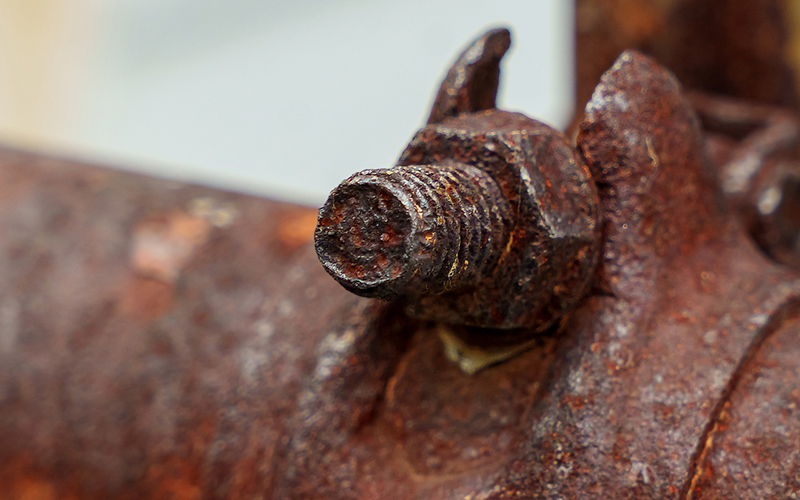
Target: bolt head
(365, 234)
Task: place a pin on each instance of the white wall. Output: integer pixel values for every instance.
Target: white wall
(278, 98)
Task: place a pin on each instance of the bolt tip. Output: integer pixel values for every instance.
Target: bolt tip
(364, 235)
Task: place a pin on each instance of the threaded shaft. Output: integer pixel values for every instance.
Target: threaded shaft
(413, 230)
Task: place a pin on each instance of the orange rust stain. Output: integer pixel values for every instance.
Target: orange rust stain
(146, 298)
(389, 237)
(337, 214)
(296, 229)
(164, 244)
(385, 201)
(21, 479)
(32, 489)
(356, 236)
(396, 270)
(175, 479)
(574, 402)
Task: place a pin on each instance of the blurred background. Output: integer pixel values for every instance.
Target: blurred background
(283, 99)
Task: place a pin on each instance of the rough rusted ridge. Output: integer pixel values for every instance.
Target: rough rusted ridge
(341, 397)
(786, 313)
(638, 374)
(754, 453)
(620, 138)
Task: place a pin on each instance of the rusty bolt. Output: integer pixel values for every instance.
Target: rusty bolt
(489, 218)
(413, 230)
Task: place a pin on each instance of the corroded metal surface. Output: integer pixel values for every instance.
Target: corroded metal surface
(752, 450)
(155, 336)
(169, 341)
(649, 365)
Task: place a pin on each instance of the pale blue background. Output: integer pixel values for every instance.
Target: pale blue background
(288, 98)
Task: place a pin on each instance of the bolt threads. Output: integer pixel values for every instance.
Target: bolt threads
(413, 230)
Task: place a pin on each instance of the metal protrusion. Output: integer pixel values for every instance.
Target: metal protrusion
(472, 81)
(412, 230)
